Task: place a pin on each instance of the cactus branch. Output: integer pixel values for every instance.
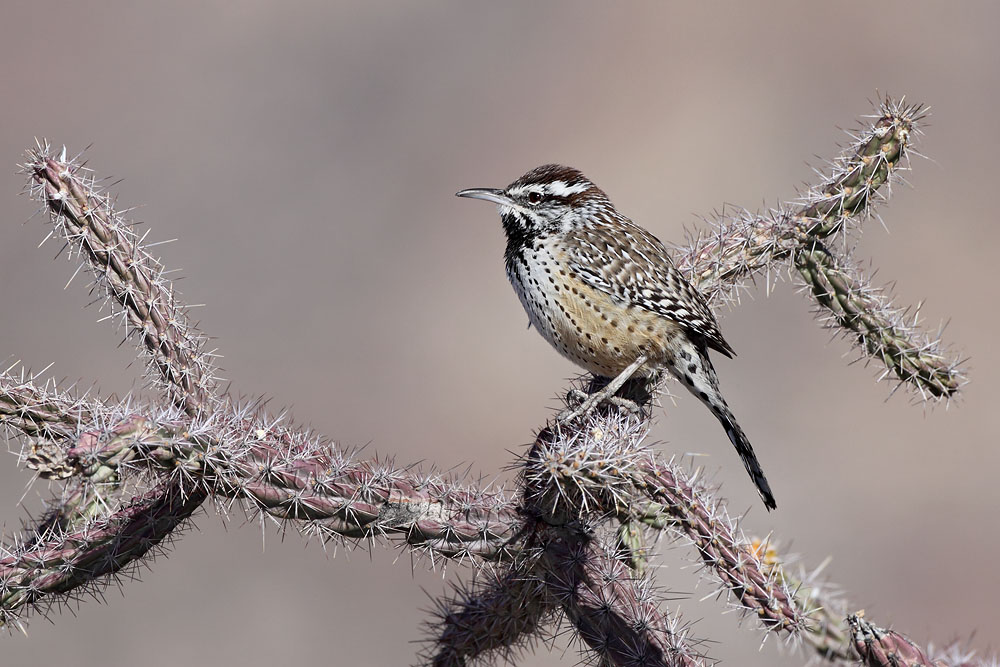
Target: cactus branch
(605, 468)
(498, 615)
(131, 278)
(851, 304)
(614, 612)
(60, 562)
(40, 412)
(884, 648)
(744, 245)
(291, 476)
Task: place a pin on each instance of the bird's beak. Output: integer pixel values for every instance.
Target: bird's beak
(489, 194)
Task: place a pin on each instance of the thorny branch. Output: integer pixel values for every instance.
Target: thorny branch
(130, 277)
(562, 548)
(745, 244)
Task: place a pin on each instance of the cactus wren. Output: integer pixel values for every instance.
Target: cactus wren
(603, 291)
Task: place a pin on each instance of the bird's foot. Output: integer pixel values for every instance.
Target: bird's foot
(577, 397)
(581, 403)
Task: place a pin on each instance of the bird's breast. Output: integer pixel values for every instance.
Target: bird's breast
(585, 324)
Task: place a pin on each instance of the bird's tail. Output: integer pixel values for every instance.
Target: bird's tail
(694, 369)
(745, 450)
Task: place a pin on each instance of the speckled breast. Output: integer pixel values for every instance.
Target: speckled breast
(584, 324)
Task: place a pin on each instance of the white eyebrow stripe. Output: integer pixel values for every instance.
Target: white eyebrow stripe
(562, 189)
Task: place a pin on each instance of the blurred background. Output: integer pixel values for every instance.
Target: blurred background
(305, 156)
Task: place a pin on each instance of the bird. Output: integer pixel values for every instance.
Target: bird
(604, 292)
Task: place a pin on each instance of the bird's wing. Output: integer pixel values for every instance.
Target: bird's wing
(633, 266)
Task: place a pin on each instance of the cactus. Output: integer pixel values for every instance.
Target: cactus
(565, 546)
(744, 244)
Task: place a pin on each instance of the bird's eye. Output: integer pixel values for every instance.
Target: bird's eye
(534, 197)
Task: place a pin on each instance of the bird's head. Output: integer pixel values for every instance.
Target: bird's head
(548, 199)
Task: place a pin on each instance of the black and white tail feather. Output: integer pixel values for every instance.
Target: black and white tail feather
(694, 370)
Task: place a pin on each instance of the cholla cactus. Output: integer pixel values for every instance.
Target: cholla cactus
(567, 545)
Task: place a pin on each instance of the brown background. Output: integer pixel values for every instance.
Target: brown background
(306, 156)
